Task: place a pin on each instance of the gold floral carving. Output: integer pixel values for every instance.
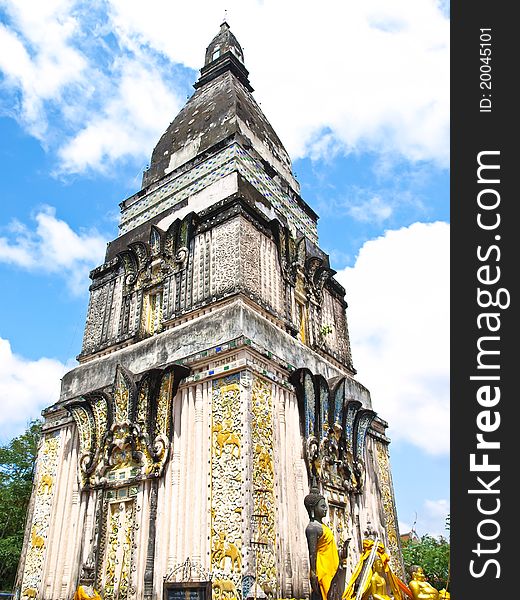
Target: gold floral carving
(389, 507)
(128, 428)
(119, 550)
(46, 470)
(121, 396)
(264, 509)
(226, 484)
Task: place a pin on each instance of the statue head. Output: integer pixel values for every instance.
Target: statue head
(378, 565)
(418, 573)
(315, 503)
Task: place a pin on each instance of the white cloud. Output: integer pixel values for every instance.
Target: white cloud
(351, 75)
(130, 122)
(374, 209)
(374, 88)
(342, 77)
(53, 247)
(431, 519)
(26, 388)
(398, 314)
(39, 59)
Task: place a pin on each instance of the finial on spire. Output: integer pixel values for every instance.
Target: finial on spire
(224, 53)
(224, 23)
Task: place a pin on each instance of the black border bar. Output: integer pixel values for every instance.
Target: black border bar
(484, 318)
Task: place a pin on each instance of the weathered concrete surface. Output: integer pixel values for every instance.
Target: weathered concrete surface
(222, 325)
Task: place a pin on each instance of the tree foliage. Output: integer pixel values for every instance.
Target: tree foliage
(17, 462)
(433, 555)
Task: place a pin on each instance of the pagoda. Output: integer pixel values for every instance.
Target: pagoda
(215, 381)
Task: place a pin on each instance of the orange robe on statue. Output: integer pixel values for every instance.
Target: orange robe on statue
(86, 593)
(327, 560)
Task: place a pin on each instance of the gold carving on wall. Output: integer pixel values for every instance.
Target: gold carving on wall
(264, 510)
(224, 589)
(223, 550)
(224, 436)
(47, 466)
(226, 483)
(391, 527)
(127, 429)
(118, 560)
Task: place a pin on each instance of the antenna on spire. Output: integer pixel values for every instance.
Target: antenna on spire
(225, 16)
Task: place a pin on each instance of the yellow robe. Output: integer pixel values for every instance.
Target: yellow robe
(327, 560)
(83, 593)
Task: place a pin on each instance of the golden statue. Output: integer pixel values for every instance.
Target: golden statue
(421, 589)
(327, 576)
(378, 589)
(85, 589)
(375, 579)
(86, 592)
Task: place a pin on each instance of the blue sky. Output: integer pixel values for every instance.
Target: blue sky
(358, 93)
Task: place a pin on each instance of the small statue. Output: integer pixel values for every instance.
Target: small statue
(327, 575)
(420, 588)
(375, 580)
(86, 592)
(377, 589)
(85, 589)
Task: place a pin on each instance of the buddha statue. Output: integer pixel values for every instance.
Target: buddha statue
(378, 588)
(85, 589)
(420, 588)
(86, 592)
(373, 578)
(327, 573)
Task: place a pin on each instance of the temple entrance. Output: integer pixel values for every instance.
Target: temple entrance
(187, 590)
(188, 581)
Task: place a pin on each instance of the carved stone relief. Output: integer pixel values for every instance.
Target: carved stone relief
(226, 481)
(333, 427)
(264, 510)
(125, 432)
(225, 257)
(45, 489)
(388, 505)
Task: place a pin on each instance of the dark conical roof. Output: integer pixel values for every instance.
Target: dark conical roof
(222, 106)
(223, 42)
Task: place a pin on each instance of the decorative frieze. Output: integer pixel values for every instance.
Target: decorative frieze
(226, 481)
(125, 433)
(388, 506)
(184, 184)
(40, 524)
(263, 525)
(334, 427)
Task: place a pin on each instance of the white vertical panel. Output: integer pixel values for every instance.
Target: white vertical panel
(198, 469)
(283, 529)
(182, 499)
(75, 523)
(59, 529)
(142, 519)
(175, 467)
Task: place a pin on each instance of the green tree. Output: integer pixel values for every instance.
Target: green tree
(17, 461)
(433, 555)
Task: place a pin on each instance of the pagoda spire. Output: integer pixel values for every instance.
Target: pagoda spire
(224, 53)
